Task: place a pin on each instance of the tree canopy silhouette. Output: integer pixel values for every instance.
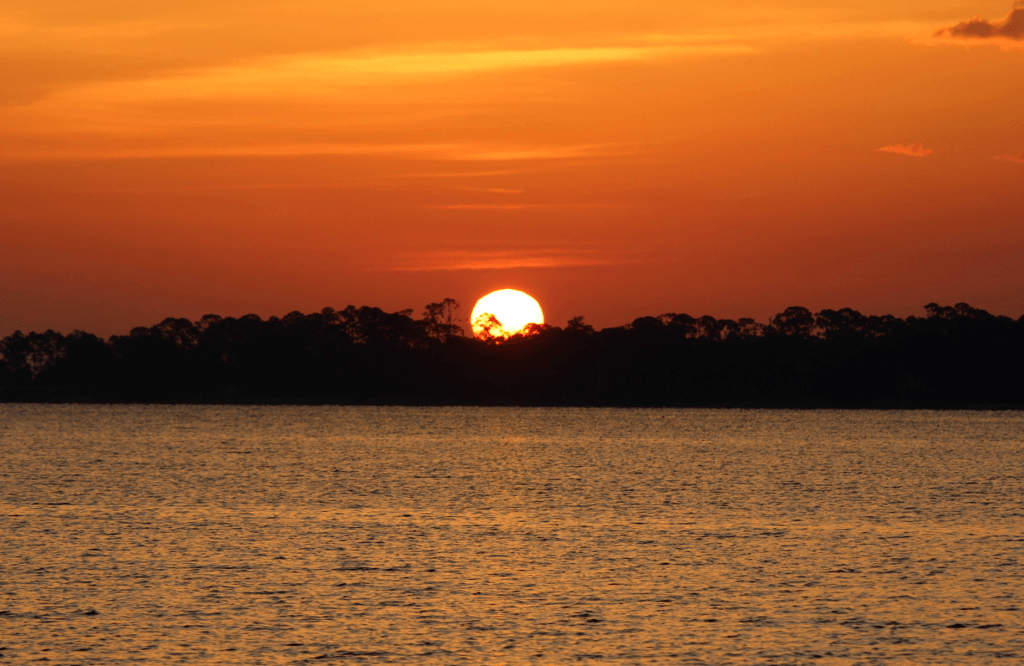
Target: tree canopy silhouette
(954, 356)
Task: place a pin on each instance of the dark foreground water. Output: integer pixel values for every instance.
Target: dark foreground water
(277, 535)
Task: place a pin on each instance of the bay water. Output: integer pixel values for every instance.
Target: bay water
(396, 535)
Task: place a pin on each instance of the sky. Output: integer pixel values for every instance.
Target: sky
(612, 159)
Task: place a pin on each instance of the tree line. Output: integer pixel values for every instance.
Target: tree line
(955, 356)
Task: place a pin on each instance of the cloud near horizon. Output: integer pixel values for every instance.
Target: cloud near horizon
(1011, 27)
(518, 206)
(913, 150)
(1010, 157)
(483, 260)
(442, 152)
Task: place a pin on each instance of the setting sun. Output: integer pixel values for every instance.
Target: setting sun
(504, 313)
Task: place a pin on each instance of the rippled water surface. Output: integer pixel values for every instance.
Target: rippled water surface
(266, 535)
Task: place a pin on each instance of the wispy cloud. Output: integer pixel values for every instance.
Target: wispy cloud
(912, 150)
(193, 112)
(482, 260)
(319, 75)
(416, 151)
(549, 152)
(481, 206)
(1010, 157)
(464, 174)
(1009, 28)
(492, 190)
(244, 150)
(516, 206)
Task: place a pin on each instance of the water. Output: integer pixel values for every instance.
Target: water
(291, 535)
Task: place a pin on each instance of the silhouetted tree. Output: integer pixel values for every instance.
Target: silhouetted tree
(794, 321)
(531, 330)
(748, 328)
(576, 325)
(709, 327)
(844, 324)
(488, 328)
(647, 324)
(682, 325)
(442, 320)
(953, 356)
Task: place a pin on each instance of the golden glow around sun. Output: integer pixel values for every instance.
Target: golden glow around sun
(504, 313)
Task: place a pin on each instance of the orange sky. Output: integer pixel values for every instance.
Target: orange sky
(612, 159)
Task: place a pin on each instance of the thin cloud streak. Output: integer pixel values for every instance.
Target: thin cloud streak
(465, 174)
(488, 206)
(491, 260)
(252, 95)
(424, 151)
(912, 150)
(490, 190)
(317, 75)
(517, 206)
(259, 150)
(1010, 157)
(551, 152)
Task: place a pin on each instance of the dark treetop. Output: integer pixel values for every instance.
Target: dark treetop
(954, 357)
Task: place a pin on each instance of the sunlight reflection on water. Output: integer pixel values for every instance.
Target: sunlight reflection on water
(265, 535)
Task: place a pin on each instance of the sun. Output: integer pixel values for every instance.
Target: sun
(504, 313)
